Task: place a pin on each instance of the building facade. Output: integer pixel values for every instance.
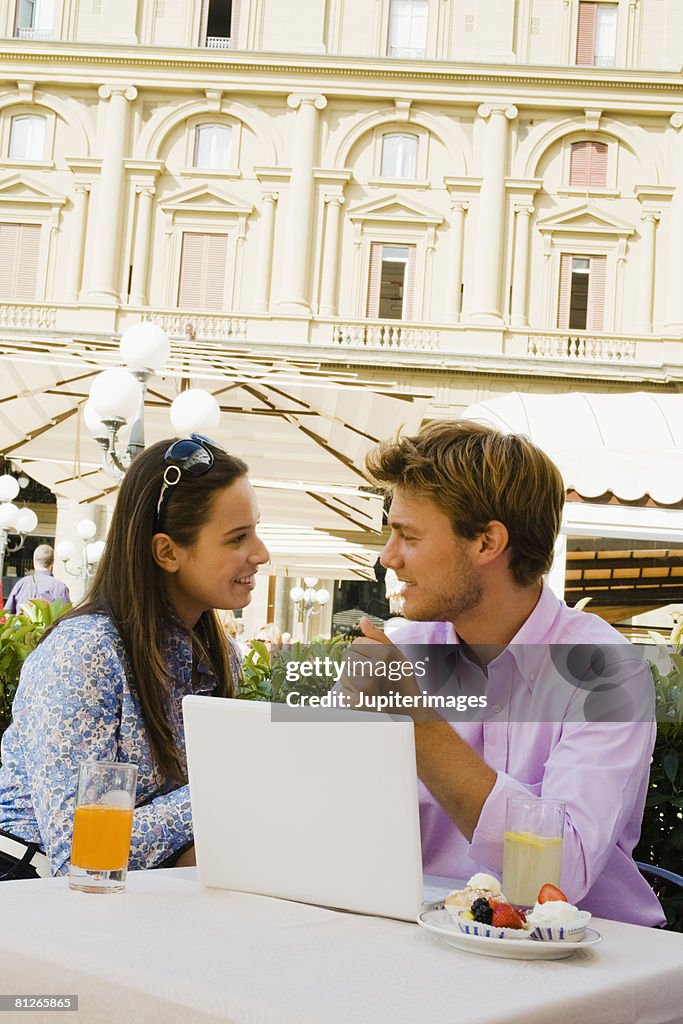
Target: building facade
(469, 197)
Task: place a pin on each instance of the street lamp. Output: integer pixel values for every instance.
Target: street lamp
(13, 520)
(91, 552)
(309, 602)
(118, 394)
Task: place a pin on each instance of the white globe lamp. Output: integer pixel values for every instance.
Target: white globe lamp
(145, 347)
(296, 594)
(9, 487)
(86, 529)
(322, 596)
(65, 550)
(93, 551)
(195, 412)
(93, 423)
(115, 394)
(9, 513)
(27, 520)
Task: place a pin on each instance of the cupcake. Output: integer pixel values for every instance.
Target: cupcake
(557, 921)
(480, 886)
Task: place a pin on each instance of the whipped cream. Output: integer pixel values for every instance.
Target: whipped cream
(485, 883)
(556, 912)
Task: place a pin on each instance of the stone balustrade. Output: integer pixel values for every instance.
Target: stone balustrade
(389, 335)
(591, 348)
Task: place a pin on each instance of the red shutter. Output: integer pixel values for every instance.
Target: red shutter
(585, 36)
(374, 280)
(409, 285)
(19, 252)
(596, 294)
(565, 290)
(235, 24)
(597, 164)
(202, 271)
(578, 166)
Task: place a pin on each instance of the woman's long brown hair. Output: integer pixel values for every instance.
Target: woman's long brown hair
(129, 587)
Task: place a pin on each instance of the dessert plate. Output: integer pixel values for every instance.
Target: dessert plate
(439, 922)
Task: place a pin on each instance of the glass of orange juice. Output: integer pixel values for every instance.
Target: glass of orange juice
(532, 851)
(103, 821)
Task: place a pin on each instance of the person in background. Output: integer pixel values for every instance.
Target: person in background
(38, 584)
(474, 518)
(106, 682)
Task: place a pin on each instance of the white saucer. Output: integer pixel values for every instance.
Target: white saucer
(439, 922)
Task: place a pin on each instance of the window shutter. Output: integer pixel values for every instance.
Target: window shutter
(597, 164)
(202, 270)
(585, 36)
(374, 280)
(235, 24)
(596, 294)
(19, 252)
(203, 22)
(565, 291)
(214, 271)
(578, 167)
(409, 286)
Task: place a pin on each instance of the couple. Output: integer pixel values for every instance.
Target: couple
(474, 519)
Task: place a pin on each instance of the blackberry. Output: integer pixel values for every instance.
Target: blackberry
(481, 911)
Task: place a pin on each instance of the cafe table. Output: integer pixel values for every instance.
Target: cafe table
(168, 950)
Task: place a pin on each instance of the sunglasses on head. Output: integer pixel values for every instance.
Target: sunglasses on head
(191, 456)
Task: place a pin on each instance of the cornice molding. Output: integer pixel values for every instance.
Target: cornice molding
(224, 63)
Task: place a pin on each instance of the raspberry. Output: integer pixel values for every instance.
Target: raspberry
(481, 911)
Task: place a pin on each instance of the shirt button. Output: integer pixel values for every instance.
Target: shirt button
(532, 676)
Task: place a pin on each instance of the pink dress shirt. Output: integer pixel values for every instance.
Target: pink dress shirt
(539, 744)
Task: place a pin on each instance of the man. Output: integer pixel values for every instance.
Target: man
(474, 518)
(39, 584)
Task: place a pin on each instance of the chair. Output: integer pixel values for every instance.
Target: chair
(660, 873)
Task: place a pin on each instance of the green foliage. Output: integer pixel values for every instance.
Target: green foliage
(661, 838)
(19, 634)
(264, 669)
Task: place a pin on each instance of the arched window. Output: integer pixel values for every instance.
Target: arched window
(212, 146)
(399, 156)
(588, 164)
(27, 137)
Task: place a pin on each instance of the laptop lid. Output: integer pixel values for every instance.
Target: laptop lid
(306, 804)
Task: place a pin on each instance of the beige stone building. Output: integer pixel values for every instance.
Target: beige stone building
(470, 197)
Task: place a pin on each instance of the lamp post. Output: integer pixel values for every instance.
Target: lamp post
(13, 520)
(309, 602)
(91, 552)
(118, 394)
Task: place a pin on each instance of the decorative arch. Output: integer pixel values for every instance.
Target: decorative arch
(160, 126)
(67, 111)
(449, 134)
(539, 141)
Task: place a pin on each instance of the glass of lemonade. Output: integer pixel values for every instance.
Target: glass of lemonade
(103, 821)
(532, 854)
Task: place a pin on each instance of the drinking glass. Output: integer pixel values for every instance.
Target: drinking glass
(532, 854)
(103, 821)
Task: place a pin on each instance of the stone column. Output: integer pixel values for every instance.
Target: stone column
(648, 232)
(673, 323)
(266, 241)
(485, 303)
(519, 313)
(78, 223)
(105, 272)
(459, 209)
(296, 280)
(330, 270)
(138, 286)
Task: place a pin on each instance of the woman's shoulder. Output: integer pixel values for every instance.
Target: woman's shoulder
(90, 632)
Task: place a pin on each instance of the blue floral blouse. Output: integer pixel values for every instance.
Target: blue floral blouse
(74, 703)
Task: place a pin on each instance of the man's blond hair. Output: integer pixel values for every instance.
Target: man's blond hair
(476, 474)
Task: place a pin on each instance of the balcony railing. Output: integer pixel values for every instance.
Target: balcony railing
(218, 42)
(584, 347)
(22, 316)
(199, 325)
(388, 335)
(34, 33)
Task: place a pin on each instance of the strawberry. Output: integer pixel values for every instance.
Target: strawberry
(505, 916)
(551, 892)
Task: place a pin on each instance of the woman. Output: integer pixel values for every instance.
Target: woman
(107, 681)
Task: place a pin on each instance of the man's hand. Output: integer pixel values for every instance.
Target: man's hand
(374, 666)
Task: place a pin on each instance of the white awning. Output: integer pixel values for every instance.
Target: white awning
(630, 445)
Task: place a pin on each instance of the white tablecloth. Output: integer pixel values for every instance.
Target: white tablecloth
(169, 951)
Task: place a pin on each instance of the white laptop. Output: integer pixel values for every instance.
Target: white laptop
(305, 804)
